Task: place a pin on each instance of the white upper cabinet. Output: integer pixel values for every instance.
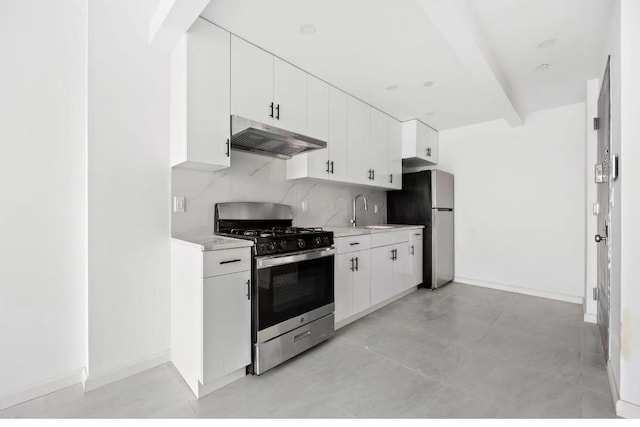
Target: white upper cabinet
(252, 82)
(358, 147)
(317, 99)
(290, 97)
(395, 154)
(419, 144)
(200, 98)
(338, 135)
(378, 147)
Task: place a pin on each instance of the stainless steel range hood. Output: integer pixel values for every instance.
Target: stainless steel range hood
(259, 138)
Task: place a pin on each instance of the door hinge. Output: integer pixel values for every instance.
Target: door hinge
(595, 294)
(596, 123)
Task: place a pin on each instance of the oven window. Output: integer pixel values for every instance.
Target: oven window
(290, 290)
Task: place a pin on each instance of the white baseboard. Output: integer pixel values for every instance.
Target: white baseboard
(518, 290)
(345, 322)
(92, 382)
(591, 318)
(42, 388)
(203, 390)
(626, 409)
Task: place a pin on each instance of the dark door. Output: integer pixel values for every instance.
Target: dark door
(602, 177)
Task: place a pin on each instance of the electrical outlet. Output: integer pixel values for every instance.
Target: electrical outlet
(304, 206)
(375, 209)
(179, 204)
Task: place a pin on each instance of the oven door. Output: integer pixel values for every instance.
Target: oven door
(292, 290)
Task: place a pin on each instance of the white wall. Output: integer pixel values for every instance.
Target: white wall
(519, 200)
(43, 225)
(264, 179)
(630, 204)
(129, 190)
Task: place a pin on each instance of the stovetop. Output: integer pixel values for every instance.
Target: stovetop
(280, 240)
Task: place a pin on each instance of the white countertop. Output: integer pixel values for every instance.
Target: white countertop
(357, 231)
(212, 242)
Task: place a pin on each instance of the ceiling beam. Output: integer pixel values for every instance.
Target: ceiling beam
(457, 23)
(172, 19)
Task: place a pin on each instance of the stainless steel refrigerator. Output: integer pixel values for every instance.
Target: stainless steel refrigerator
(426, 199)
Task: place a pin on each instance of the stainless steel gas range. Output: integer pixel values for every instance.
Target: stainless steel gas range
(292, 279)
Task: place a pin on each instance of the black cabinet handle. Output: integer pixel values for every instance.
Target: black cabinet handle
(249, 289)
(230, 261)
(413, 250)
(356, 263)
(271, 113)
(228, 147)
(373, 174)
(331, 166)
(391, 178)
(327, 166)
(352, 268)
(278, 112)
(354, 243)
(429, 151)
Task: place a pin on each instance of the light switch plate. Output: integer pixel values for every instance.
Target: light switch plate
(179, 204)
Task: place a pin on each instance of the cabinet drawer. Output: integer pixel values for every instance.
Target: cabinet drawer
(226, 261)
(352, 243)
(389, 238)
(416, 234)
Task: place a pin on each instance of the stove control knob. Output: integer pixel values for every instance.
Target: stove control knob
(317, 241)
(282, 245)
(271, 247)
(301, 243)
(326, 240)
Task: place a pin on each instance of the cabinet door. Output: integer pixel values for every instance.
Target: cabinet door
(378, 147)
(318, 127)
(362, 281)
(208, 94)
(317, 108)
(432, 146)
(343, 286)
(417, 251)
(358, 118)
(381, 274)
(290, 97)
(395, 154)
(338, 134)
(403, 268)
(226, 324)
(422, 140)
(251, 81)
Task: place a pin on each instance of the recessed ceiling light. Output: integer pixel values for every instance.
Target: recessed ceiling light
(547, 43)
(544, 66)
(307, 29)
(428, 84)
(392, 88)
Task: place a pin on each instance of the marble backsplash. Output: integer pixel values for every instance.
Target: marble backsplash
(263, 179)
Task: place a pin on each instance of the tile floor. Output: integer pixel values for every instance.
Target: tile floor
(459, 352)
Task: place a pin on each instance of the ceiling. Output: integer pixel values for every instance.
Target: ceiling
(480, 54)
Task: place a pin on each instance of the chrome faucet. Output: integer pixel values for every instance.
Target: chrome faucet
(353, 219)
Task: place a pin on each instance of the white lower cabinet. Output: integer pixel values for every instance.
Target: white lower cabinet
(391, 271)
(352, 284)
(372, 269)
(416, 249)
(226, 324)
(210, 315)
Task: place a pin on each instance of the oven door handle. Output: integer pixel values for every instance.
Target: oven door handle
(272, 261)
